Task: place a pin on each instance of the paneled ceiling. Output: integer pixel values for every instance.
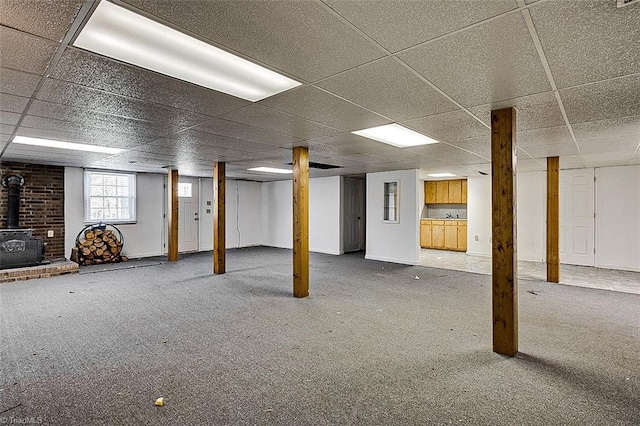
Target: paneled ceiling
(570, 68)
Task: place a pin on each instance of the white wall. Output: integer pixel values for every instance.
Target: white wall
(479, 215)
(142, 239)
(530, 220)
(243, 219)
(324, 214)
(394, 242)
(532, 216)
(618, 217)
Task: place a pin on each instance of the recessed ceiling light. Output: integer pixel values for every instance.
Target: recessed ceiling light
(396, 135)
(441, 174)
(65, 145)
(121, 34)
(271, 170)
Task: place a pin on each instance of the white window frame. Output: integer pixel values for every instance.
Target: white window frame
(396, 200)
(118, 198)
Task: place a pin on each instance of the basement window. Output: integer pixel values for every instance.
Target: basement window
(391, 195)
(109, 197)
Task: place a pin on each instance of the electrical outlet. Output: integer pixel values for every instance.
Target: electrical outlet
(50, 234)
(477, 238)
(208, 211)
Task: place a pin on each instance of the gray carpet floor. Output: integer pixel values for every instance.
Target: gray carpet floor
(372, 345)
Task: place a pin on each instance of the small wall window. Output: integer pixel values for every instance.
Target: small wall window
(184, 189)
(109, 197)
(391, 202)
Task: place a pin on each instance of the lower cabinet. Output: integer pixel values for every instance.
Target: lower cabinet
(443, 234)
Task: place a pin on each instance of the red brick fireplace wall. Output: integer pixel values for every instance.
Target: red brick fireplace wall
(41, 203)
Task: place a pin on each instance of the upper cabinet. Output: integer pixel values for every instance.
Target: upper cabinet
(445, 192)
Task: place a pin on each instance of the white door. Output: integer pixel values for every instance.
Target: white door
(187, 214)
(353, 214)
(577, 221)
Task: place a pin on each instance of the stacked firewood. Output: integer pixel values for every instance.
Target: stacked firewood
(98, 246)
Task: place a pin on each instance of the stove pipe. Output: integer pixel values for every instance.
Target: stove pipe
(13, 183)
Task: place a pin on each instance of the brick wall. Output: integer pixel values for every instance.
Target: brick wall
(41, 203)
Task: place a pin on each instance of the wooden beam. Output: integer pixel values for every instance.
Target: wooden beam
(504, 256)
(300, 221)
(553, 219)
(219, 240)
(172, 245)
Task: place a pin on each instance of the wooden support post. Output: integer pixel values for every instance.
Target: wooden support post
(504, 258)
(172, 246)
(553, 219)
(219, 240)
(300, 221)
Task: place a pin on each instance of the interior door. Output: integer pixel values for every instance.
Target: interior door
(353, 214)
(577, 221)
(188, 219)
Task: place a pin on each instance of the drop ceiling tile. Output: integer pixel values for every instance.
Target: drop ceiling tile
(617, 158)
(462, 158)
(50, 110)
(102, 137)
(279, 122)
(95, 131)
(419, 20)
(587, 41)
(95, 100)
(43, 155)
(532, 112)
(489, 63)
(615, 98)
(596, 146)
(98, 72)
(366, 158)
(447, 153)
(450, 126)
(611, 128)
(50, 19)
(390, 89)
(10, 118)
(301, 38)
(13, 103)
(571, 162)
(18, 82)
(317, 105)
(552, 150)
(246, 132)
(479, 146)
(546, 136)
(24, 52)
(7, 129)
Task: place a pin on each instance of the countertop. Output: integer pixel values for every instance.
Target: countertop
(441, 218)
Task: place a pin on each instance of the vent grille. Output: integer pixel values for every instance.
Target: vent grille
(320, 166)
(622, 3)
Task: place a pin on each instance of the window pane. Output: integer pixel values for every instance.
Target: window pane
(390, 201)
(184, 189)
(110, 196)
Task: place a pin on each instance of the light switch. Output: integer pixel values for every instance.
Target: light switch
(50, 234)
(208, 202)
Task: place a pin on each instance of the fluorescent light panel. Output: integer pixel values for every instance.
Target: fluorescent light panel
(118, 33)
(441, 174)
(271, 170)
(396, 135)
(22, 140)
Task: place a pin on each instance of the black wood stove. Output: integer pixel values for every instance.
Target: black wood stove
(18, 248)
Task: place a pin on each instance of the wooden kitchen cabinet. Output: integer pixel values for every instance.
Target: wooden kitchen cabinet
(455, 192)
(451, 235)
(442, 191)
(430, 192)
(443, 234)
(437, 234)
(462, 235)
(445, 191)
(425, 233)
(464, 192)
